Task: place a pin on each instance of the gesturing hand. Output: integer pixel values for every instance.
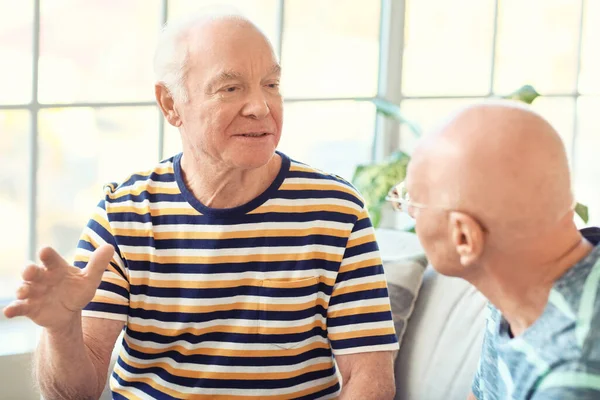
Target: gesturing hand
(53, 294)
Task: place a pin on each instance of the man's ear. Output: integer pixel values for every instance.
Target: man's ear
(167, 105)
(467, 236)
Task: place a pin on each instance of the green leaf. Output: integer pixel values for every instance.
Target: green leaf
(582, 211)
(375, 215)
(374, 181)
(392, 110)
(526, 94)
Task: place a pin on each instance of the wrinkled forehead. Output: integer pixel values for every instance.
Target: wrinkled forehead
(245, 52)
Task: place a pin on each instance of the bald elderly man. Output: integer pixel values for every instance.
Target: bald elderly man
(235, 272)
(490, 192)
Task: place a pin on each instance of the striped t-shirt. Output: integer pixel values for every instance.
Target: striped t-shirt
(250, 302)
(558, 357)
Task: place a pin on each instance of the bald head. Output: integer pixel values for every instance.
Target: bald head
(500, 162)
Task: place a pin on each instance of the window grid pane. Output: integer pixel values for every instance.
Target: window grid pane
(16, 34)
(524, 69)
(331, 48)
(81, 149)
(85, 59)
(329, 135)
(15, 126)
(537, 45)
(589, 80)
(455, 57)
(587, 168)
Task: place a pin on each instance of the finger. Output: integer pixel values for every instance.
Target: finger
(32, 273)
(51, 259)
(23, 291)
(99, 262)
(29, 291)
(16, 309)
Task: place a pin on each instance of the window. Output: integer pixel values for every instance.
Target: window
(329, 135)
(15, 126)
(78, 96)
(78, 90)
(482, 48)
(97, 51)
(80, 150)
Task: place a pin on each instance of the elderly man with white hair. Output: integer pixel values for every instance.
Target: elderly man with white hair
(234, 271)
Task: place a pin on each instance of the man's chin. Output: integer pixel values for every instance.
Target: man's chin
(253, 159)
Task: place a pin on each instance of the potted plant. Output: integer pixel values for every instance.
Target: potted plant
(375, 180)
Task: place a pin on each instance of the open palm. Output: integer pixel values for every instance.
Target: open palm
(53, 294)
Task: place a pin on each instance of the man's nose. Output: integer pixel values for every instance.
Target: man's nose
(256, 106)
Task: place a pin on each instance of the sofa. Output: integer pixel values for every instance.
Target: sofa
(440, 322)
(440, 348)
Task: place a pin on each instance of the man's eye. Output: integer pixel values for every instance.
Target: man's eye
(229, 89)
(273, 85)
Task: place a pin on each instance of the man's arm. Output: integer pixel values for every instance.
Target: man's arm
(367, 376)
(360, 327)
(574, 380)
(471, 396)
(567, 393)
(73, 355)
(72, 363)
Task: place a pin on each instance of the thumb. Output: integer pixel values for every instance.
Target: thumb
(99, 262)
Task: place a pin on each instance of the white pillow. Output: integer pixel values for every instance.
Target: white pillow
(404, 281)
(404, 264)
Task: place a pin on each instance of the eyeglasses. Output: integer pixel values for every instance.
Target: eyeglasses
(400, 199)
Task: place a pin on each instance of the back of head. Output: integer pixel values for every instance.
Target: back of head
(501, 163)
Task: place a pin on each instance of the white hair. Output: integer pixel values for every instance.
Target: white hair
(171, 55)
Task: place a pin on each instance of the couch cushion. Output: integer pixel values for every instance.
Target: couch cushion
(404, 280)
(440, 350)
(404, 263)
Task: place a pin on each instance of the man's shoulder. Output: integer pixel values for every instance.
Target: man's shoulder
(572, 323)
(588, 313)
(160, 176)
(308, 177)
(571, 379)
(580, 282)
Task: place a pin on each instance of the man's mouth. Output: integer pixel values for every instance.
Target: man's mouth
(253, 134)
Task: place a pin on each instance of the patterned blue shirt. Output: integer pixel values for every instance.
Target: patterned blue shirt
(558, 357)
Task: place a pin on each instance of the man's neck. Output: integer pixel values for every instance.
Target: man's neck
(218, 187)
(520, 287)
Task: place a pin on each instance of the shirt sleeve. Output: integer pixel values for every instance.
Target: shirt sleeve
(111, 300)
(359, 317)
(569, 381)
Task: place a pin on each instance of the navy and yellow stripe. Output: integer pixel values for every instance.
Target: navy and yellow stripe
(245, 303)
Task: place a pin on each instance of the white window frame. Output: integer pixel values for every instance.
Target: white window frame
(386, 137)
(391, 74)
